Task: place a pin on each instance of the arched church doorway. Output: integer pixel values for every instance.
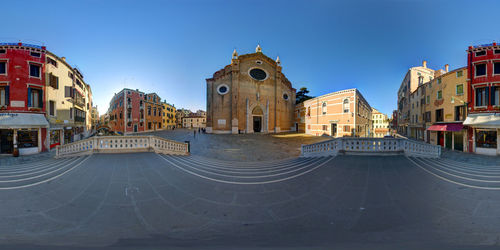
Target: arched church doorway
(257, 115)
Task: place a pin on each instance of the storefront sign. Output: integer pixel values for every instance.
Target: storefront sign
(8, 114)
(18, 104)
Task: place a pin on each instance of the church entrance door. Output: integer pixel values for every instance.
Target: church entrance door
(257, 124)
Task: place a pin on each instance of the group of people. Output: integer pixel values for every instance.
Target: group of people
(200, 130)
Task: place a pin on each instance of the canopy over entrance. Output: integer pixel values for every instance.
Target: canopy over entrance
(22, 120)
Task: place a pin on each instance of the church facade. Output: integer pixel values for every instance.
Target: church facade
(250, 95)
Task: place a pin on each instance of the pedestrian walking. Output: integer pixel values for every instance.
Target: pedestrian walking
(194, 133)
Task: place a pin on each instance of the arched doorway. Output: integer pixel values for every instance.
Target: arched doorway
(257, 115)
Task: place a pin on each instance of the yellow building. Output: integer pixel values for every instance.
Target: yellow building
(380, 124)
(68, 101)
(169, 119)
(445, 110)
(94, 114)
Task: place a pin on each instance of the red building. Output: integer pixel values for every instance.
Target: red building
(22, 97)
(126, 111)
(483, 64)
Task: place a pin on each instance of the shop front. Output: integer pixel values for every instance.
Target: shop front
(448, 135)
(25, 132)
(485, 132)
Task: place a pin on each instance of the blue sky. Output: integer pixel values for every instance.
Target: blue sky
(171, 47)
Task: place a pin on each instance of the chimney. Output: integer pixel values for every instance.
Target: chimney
(446, 67)
(424, 63)
(63, 58)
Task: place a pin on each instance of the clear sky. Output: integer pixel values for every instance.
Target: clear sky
(171, 47)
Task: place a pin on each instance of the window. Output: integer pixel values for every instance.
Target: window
(285, 96)
(481, 53)
(68, 91)
(459, 89)
(2, 51)
(346, 105)
(3, 68)
(35, 98)
(347, 128)
(52, 61)
(439, 80)
(428, 116)
(4, 96)
(149, 110)
(459, 113)
(486, 138)
(222, 89)
(496, 68)
(35, 54)
(497, 51)
(495, 95)
(323, 108)
(481, 69)
(71, 113)
(481, 97)
(154, 111)
(439, 95)
(325, 127)
(52, 108)
(35, 70)
(428, 99)
(439, 115)
(460, 73)
(27, 138)
(258, 74)
(54, 81)
(70, 75)
(78, 83)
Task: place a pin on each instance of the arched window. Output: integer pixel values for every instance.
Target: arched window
(346, 105)
(323, 108)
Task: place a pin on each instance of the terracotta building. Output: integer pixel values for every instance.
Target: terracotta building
(126, 112)
(250, 95)
(337, 114)
(483, 120)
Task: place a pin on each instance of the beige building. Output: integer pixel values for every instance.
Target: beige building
(380, 124)
(194, 121)
(68, 101)
(445, 110)
(250, 95)
(94, 114)
(415, 77)
(338, 114)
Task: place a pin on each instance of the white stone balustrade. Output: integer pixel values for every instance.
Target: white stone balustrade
(122, 144)
(371, 146)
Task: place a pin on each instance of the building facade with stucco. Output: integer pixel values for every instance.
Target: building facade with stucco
(250, 95)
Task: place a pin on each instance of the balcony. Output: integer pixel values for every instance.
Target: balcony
(79, 119)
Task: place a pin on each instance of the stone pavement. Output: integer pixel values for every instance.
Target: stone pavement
(242, 147)
(6, 160)
(152, 201)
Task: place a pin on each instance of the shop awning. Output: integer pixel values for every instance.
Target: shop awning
(446, 127)
(22, 120)
(483, 120)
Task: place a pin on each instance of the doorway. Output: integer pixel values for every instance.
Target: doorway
(440, 137)
(334, 130)
(296, 127)
(6, 141)
(257, 124)
(135, 128)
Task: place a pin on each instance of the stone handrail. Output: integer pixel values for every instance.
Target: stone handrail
(122, 144)
(371, 146)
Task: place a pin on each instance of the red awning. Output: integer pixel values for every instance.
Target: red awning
(446, 127)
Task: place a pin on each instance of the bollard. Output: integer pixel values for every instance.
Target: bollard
(189, 146)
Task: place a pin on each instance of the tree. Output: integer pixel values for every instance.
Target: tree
(301, 95)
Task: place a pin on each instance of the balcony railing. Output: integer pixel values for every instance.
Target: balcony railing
(122, 144)
(371, 146)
